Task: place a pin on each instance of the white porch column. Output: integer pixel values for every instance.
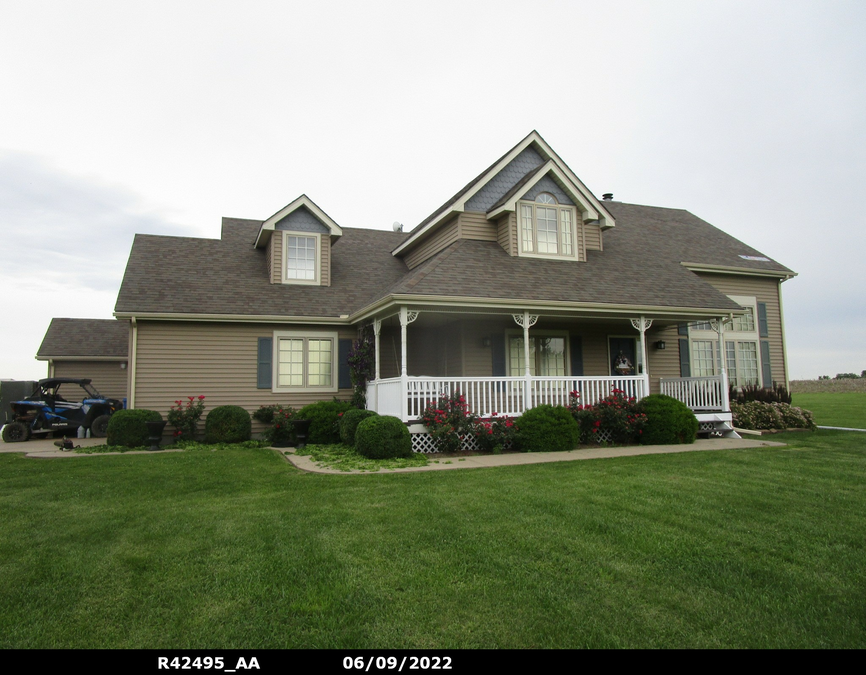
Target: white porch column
(377, 328)
(526, 320)
(406, 317)
(642, 324)
(723, 366)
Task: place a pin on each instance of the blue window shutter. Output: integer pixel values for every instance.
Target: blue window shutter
(766, 372)
(683, 329)
(576, 355)
(344, 375)
(264, 374)
(497, 344)
(685, 362)
(763, 326)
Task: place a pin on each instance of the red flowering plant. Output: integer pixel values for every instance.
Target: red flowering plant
(448, 421)
(495, 434)
(615, 418)
(184, 417)
(281, 432)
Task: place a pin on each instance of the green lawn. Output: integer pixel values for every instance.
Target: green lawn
(843, 409)
(237, 549)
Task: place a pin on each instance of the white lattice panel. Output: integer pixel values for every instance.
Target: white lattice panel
(423, 442)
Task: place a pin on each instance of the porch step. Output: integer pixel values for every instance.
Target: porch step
(717, 425)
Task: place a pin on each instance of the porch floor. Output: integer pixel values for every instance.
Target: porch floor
(517, 458)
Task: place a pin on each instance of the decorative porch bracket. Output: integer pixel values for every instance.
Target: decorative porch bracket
(526, 321)
(643, 324)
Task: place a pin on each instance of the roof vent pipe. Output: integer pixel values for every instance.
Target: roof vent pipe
(607, 196)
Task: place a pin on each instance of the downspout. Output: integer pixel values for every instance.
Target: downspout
(50, 367)
(133, 361)
(784, 343)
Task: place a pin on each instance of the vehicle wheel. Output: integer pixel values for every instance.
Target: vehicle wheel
(99, 426)
(15, 432)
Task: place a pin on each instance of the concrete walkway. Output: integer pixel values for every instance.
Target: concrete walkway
(517, 458)
(46, 449)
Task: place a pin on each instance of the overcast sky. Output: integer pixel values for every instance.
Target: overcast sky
(162, 117)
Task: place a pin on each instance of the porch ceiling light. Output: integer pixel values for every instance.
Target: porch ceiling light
(660, 344)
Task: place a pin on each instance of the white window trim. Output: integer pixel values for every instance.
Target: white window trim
(305, 336)
(575, 252)
(511, 332)
(316, 281)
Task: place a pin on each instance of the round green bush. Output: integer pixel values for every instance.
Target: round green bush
(546, 428)
(669, 421)
(349, 423)
(324, 418)
(382, 437)
(128, 428)
(227, 424)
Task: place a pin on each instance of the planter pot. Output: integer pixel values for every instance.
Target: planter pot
(154, 431)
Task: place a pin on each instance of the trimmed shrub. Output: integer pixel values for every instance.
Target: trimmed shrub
(547, 428)
(760, 416)
(668, 421)
(324, 417)
(349, 423)
(128, 428)
(383, 437)
(227, 424)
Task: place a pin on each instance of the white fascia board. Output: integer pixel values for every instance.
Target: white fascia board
(550, 167)
(233, 318)
(557, 307)
(459, 204)
(270, 224)
(727, 269)
(82, 358)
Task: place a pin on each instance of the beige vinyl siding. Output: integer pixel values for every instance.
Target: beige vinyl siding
(275, 246)
(445, 236)
(506, 233)
(325, 242)
(592, 237)
(270, 258)
(108, 377)
(217, 360)
(663, 363)
(766, 290)
(474, 225)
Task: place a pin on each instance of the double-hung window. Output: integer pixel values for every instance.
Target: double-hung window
(301, 258)
(547, 355)
(305, 361)
(547, 227)
(741, 348)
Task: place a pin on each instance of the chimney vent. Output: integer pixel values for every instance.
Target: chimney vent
(607, 196)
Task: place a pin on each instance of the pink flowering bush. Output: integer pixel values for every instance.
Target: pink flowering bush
(448, 421)
(184, 417)
(495, 434)
(615, 414)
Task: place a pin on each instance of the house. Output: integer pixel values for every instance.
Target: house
(88, 348)
(520, 288)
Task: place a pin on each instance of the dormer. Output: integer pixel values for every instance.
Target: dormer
(529, 201)
(298, 240)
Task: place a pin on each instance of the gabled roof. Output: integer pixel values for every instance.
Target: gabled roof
(302, 202)
(592, 207)
(85, 338)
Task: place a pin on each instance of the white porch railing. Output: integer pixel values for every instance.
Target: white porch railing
(699, 393)
(501, 395)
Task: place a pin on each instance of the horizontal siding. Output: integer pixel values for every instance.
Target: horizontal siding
(764, 290)
(504, 234)
(446, 236)
(474, 225)
(108, 377)
(592, 234)
(277, 257)
(219, 361)
(325, 269)
(663, 363)
(270, 257)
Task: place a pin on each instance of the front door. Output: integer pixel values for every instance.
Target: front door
(623, 356)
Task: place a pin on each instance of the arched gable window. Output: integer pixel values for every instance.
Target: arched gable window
(546, 227)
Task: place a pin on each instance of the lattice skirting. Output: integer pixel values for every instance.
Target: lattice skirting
(423, 442)
(707, 426)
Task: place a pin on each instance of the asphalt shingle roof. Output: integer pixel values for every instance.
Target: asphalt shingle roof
(640, 265)
(85, 337)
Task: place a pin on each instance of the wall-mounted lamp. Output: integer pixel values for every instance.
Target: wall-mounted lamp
(485, 342)
(123, 365)
(660, 344)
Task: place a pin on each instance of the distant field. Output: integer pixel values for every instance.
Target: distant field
(828, 386)
(843, 409)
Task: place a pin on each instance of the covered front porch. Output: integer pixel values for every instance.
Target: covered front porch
(508, 363)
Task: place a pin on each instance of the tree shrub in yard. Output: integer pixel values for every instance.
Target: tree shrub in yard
(383, 437)
(227, 424)
(128, 428)
(324, 417)
(546, 428)
(761, 416)
(668, 421)
(349, 423)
